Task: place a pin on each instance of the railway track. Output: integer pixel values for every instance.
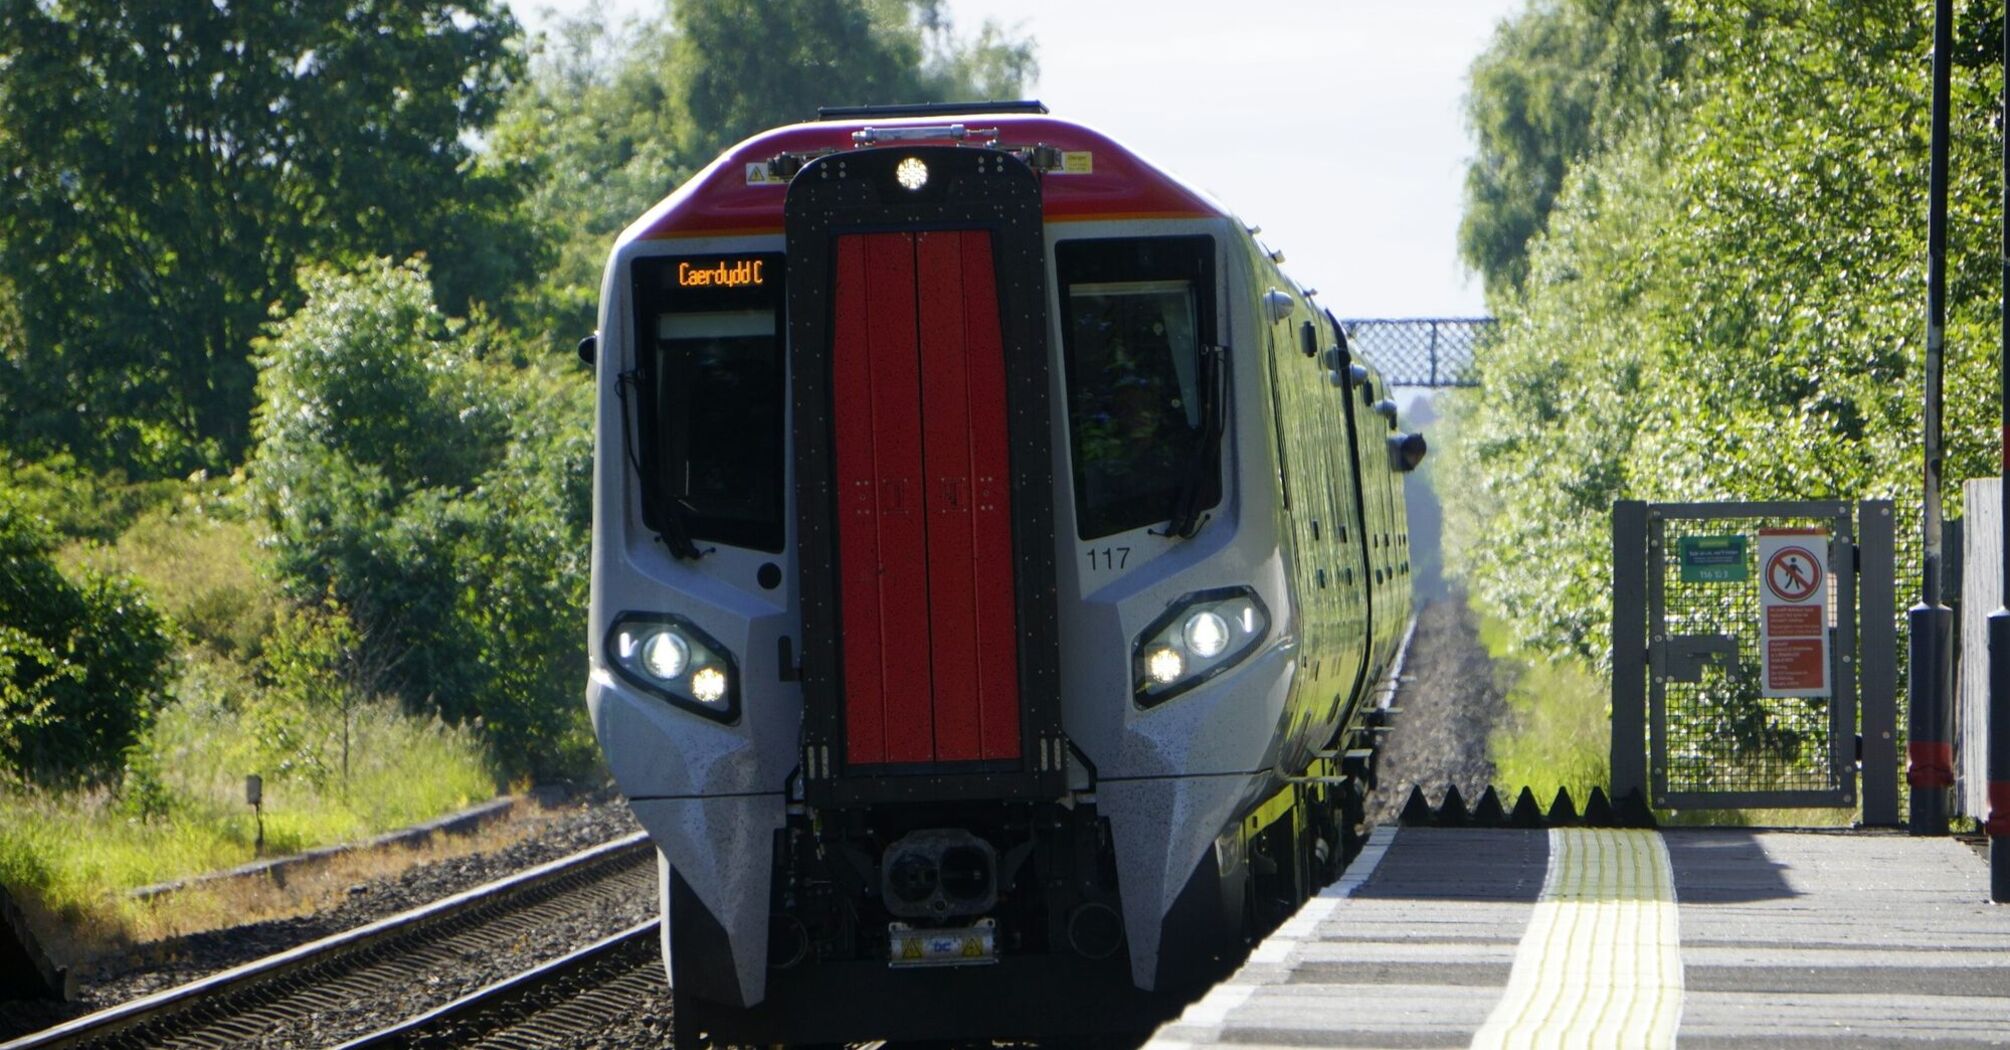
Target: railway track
(550, 1005)
(336, 988)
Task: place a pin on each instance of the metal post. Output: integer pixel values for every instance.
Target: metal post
(1877, 642)
(1434, 353)
(1998, 771)
(1930, 771)
(1629, 649)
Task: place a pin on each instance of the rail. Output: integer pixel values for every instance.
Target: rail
(211, 1011)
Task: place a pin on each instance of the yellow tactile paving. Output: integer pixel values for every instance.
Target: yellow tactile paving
(1600, 964)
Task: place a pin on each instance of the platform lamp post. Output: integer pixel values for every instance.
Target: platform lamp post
(1998, 771)
(1930, 766)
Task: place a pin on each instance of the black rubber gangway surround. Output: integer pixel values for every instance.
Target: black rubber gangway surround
(924, 481)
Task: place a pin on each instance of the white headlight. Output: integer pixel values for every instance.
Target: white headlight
(709, 685)
(665, 655)
(1165, 666)
(1206, 634)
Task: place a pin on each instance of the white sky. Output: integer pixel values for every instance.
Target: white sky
(1333, 124)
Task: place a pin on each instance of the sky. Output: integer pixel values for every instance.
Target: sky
(1335, 125)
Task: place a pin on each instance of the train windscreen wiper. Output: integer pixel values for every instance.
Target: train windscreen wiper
(1212, 380)
(666, 516)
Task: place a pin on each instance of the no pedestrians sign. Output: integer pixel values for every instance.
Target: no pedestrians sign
(1794, 612)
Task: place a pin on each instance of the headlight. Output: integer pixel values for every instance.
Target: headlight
(665, 655)
(1206, 634)
(669, 657)
(1197, 637)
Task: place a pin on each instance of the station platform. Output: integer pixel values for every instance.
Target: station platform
(1588, 937)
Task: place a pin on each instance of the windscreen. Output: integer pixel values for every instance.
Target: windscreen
(712, 381)
(1135, 313)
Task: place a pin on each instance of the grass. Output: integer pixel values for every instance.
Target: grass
(180, 810)
(198, 557)
(1558, 729)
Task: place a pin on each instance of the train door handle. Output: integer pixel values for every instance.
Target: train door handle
(1689, 654)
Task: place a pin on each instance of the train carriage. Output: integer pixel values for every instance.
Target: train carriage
(995, 557)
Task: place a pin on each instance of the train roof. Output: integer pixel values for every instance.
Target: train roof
(1095, 177)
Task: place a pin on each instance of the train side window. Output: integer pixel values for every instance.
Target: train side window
(1135, 312)
(712, 376)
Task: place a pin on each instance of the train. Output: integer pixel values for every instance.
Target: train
(997, 561)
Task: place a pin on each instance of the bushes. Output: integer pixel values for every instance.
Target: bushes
(412, 471)
(82, 664)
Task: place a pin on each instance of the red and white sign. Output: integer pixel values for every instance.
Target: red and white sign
(1794, 612)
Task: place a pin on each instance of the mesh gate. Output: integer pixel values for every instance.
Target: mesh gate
(1735, 718)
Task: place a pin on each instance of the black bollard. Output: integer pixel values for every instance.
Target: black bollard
(1998, 824)
(1930, 757)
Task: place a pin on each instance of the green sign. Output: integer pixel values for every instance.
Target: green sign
(1712, 559)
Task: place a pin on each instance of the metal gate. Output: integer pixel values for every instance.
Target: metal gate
(1740, 634)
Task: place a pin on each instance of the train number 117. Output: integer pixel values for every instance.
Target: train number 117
(1107, 558)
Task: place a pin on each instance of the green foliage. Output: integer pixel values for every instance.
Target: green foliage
(593, 129)
(1562, 82)
(745, 65)
(83, 664)
(414, 472)
(180, 810)
(1558, 729)
(79, 504)
(1728, 306)
(166, 167)
(195, 551)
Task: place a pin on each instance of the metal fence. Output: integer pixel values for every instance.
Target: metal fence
(1423, 351)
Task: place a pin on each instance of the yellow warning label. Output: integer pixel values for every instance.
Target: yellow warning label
(910, 948)
(1078, 162)
(757, 175)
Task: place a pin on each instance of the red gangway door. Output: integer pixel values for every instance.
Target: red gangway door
(927, 625)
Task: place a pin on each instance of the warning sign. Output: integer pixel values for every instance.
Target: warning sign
(1794, 612)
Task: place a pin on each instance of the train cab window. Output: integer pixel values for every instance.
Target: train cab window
(1135, 313)
(709, 357)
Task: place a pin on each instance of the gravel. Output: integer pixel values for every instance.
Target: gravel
(564, 829)
(1450, 700)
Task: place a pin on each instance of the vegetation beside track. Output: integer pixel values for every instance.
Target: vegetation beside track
(1557, 731)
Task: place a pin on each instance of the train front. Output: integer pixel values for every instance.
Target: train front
(829, 598)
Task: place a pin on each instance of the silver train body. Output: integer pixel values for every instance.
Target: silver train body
(995, 561)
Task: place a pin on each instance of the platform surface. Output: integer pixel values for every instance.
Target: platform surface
(1600, 938)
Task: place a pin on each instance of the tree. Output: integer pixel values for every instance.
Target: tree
(433, 481)
(83, 665)
(168, 166)
(746, 65)
(1562, 82)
